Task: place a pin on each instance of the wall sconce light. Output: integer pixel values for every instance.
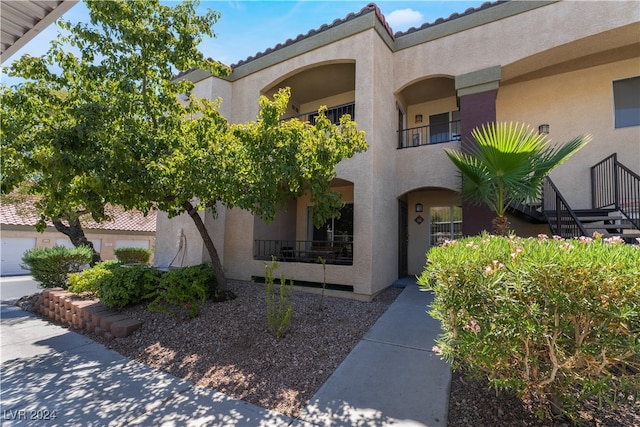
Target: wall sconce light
(543, 129)
(418, 118)
(418, 207)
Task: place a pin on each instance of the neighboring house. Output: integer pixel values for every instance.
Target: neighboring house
(569, 68)
(126, 229)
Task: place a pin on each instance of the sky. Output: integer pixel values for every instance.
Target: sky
(248, 27)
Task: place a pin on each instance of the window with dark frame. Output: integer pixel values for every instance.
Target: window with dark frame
(445, 223)
(626, 101)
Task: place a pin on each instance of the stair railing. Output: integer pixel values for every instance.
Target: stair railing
(562, 219)
(615, 185)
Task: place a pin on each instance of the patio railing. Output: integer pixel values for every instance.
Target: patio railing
(333, 252)
(333, 114)
(430, 134)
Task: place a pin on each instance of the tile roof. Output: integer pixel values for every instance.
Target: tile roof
(451, 17)
(25, 213)
(370, 8)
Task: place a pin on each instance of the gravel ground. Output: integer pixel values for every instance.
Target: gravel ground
(228, 348)
(473, 404)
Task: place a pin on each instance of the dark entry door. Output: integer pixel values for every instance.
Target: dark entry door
(403, 239)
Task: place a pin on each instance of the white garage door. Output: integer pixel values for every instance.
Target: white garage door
(66, 242)
(12, 250)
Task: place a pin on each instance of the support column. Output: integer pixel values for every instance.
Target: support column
(477, 92)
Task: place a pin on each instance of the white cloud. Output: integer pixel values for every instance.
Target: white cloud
(403, 19)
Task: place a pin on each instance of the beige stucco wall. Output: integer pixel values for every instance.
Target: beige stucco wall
(108, 240)
(329, 101)
(573, 104)
(419, 234)
(179, 243)
(357, 170)
(506, 41)
(571, 101)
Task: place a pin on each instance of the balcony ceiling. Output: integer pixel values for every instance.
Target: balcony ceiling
(22, 20)
(429, 90)
(321, 82)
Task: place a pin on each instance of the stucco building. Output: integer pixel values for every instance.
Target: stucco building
(573, 67)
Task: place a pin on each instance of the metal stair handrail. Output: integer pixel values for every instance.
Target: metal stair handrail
(615, 185)
(554, 204)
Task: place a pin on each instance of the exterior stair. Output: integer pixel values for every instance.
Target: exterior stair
(615, 193)
(607, 222)
(615, 212)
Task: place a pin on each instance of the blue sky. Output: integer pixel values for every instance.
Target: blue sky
(248, 27)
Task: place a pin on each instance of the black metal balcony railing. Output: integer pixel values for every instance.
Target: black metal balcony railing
(562, 219)
(333, 113)
(333, 252)
(614, 185)
(430, 134)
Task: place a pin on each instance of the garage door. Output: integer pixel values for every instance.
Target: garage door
(144, 244)
(11, 256)
(97, 243)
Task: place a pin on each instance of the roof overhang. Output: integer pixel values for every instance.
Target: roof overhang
(22, 20)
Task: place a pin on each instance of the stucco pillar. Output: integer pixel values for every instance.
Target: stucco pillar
(477, 93)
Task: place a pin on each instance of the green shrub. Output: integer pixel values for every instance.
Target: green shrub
(51, 266)
(90, 279)
(133, 255)
(279, 307)
(559, 318)
(126, 285)
(186, 288)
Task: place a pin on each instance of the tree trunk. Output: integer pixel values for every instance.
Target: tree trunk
(501, 225)
(76, 234)
(208, 243)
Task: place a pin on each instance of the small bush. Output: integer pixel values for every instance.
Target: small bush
(279, 307)
(558, 318)
(183, 289)
(90, 279)
(126, 285)
(51, 266)
(133, 255)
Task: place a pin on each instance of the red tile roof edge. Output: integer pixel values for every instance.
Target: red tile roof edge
(451, 17)
(24, 214)
(371, 7)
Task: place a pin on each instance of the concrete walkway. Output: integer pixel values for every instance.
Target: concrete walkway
(390, 378)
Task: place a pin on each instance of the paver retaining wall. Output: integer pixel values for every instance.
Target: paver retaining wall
(91, 315)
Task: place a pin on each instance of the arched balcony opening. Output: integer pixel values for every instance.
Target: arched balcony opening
(329, 84)
(428, 113)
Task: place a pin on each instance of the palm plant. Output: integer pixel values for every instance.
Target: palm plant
(508, 165)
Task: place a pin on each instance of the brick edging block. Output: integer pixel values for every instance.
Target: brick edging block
(124, 328)
(90, 315)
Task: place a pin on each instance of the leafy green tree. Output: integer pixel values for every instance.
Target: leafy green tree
(113, 127)
(508, 165)
(77, 133)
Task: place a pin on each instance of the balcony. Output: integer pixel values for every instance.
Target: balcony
(337, 252)
(333, 113)
(428, 135)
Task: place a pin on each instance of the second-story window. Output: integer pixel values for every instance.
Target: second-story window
(626, 101)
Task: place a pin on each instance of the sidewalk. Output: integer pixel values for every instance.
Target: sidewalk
(390, 378)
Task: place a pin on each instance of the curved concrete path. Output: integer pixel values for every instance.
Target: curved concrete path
(390, 378)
